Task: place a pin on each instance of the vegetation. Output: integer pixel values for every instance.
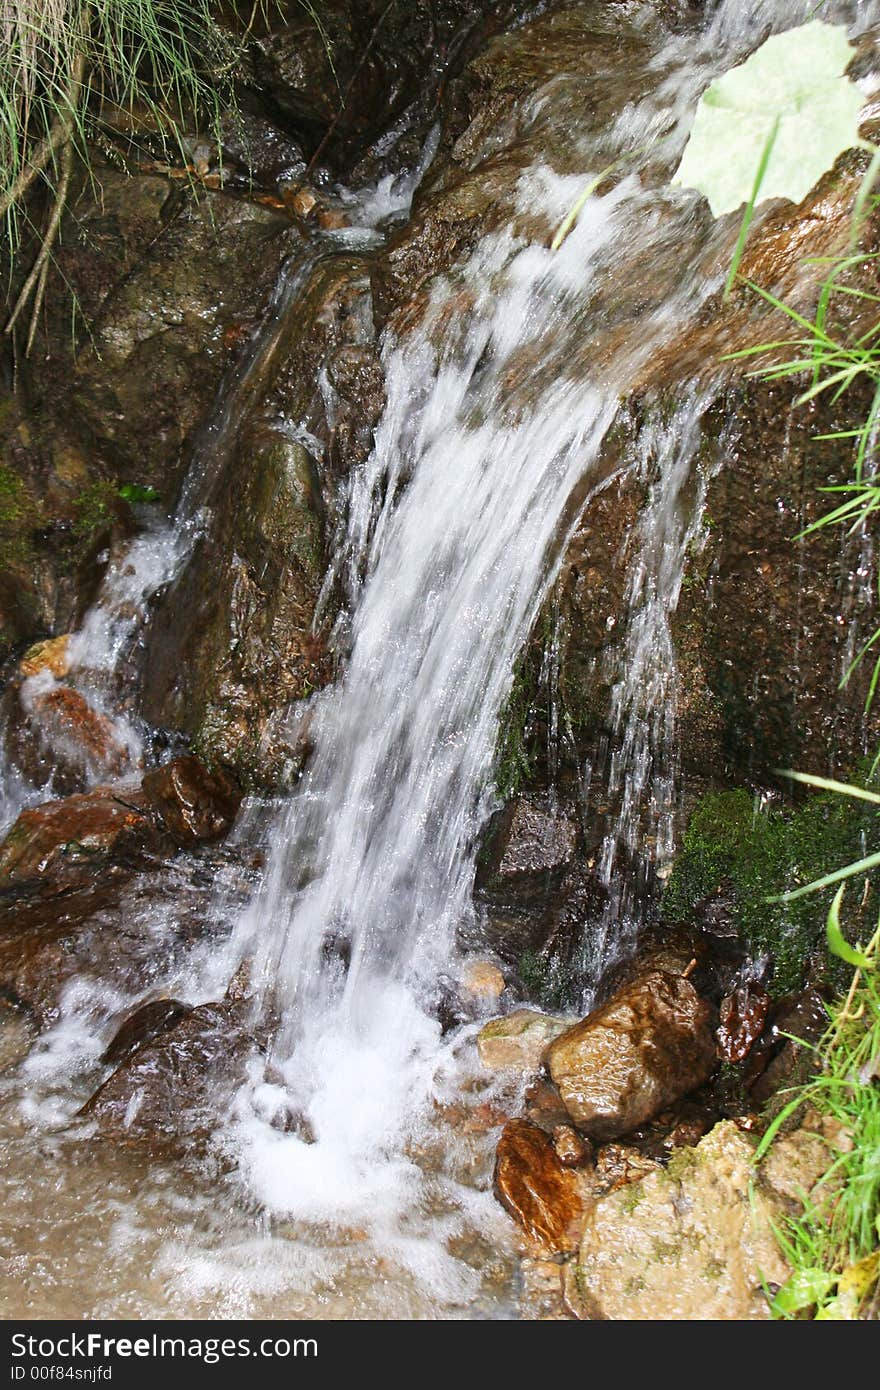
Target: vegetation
(763, 857)
(833, 1247)
(63, 65)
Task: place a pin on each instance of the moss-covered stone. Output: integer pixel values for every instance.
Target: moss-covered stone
(758, 852)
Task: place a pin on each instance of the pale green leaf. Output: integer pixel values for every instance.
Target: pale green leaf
(795, 79)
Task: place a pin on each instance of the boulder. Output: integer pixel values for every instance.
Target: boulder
(693, 1241)
(545, 1197)
(624, 1063)
(518, 1041)
(168, 1093)
(196, 804)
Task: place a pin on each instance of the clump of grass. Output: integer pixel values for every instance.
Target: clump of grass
(62, 64)
(833, 1247)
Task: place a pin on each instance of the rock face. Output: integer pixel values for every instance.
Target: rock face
(690, 1242)
(545, 1197)
(165, 1095)
(648, 1046)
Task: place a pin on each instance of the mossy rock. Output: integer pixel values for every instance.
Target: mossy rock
(757, 853)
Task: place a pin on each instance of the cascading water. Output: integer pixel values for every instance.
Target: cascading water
(498, 404)
(454, 529)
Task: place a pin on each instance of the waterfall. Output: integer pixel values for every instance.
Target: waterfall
(453, 532)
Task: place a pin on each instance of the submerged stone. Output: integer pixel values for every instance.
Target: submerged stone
(169, 1092)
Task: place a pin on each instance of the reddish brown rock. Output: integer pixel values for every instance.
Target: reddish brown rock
(80, 734)
(649, 1045)
(147, 1022)
(546, 1199)
(742, 1015)
(61, 844)
(196, 804)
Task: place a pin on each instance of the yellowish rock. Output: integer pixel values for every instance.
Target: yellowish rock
(50, 655)
(483, 980)
(518, 1041)
(688, 1242)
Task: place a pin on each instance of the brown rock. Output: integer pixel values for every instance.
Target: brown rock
(572, 1149)
(649, 1045)
(141, 1027)
(301, 201)
(742, 1016)
(617, 1165)
(196, 805)
(546, 1199)
(50, 655)
(167, 1094)
(61, 843)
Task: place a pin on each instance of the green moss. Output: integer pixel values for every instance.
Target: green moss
(512, 762)
(683, 1161)
(94, 509)
(757, 853)
(545, 980)
(18, 516)
(630, 1197)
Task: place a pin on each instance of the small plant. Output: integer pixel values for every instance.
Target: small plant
(833, 1247)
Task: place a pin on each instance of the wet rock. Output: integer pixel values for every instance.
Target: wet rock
(519, 1040)
(168, 1094)
(483, 981)
(531, 845)
(17, 1033)
(196, 805)
(141, 1027)
(76, 735)
(742, 1015)
(571, 1148)
(777, 1060)
(50, 655)
(693, 1241)
(63, 843)
(618, 1165)
(545, 1198)
(122, 927)
(649, 1045)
